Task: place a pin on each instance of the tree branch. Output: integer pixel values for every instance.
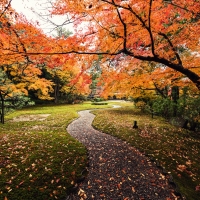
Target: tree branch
(159, 90)
(124, 26)
(9, 3)
(172, 46)
(149, 29)
(177, 67)
(23, 47)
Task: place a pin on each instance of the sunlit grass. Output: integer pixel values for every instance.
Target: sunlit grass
(176, 149)
(38, 159)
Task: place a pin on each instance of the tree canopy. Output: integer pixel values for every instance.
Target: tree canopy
(143, 45)
(164, 32)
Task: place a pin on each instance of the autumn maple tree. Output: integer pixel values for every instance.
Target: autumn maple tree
(163, 32)
(148, 47)
(19, 72)
(143, 45)
(26, 51)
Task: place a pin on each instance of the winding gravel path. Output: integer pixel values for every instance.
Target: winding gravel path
(117, 171)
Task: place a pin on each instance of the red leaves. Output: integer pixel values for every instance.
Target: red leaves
(197, 188)
(47, 49)
(57, 180)
(73, 173)
(21, 183)
(119, 186)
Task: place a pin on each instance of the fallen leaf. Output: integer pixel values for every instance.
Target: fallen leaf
(73, 173)
(21, 182)
(181, 168)
(188, 162)
(57, 180)
(197, 188)
(119, 186)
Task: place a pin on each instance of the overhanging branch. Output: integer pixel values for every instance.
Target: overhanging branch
(6, 8)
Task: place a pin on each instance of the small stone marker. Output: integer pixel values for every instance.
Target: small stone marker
(135, 124)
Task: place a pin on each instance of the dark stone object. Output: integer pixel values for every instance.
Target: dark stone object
(135, 124)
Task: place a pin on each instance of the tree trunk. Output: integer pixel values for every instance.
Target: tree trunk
(56, 91)
(175, 97)
(2, 108)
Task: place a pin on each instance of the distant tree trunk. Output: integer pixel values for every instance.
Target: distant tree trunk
(193, 125)
(2, 108)
(175, 97)
(185, 124)
(56, 91)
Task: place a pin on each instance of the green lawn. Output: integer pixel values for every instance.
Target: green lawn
(176, 149)
(39, 159)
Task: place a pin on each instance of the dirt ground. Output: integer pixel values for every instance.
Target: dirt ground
(39, 117)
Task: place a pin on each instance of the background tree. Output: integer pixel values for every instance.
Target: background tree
(19, 73)
(62, 32)
(146, 46)
(95, 72)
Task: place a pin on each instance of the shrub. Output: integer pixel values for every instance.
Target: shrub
(141, 105)
(98, 99)
(187, 108)
(163, 107)
(99, 103)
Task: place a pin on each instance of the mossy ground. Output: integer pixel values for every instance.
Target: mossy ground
(39, 159)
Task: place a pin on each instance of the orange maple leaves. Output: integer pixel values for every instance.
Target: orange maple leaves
(158, 31)
(163, 33)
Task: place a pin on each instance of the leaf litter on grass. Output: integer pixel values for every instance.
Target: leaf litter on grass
(38, 160)
(37, 157)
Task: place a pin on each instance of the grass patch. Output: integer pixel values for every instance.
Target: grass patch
(177, 150)
(38, 158)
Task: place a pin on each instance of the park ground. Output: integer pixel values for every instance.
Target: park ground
(39, 158)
